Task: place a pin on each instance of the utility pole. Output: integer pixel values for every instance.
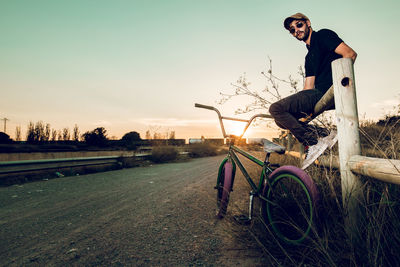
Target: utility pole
(5, 124)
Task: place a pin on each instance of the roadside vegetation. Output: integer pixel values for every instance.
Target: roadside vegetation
(160, 154)
(380, 222)
(329, 245)
(204, 150)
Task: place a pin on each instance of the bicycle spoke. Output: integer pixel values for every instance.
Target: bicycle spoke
(291, 214)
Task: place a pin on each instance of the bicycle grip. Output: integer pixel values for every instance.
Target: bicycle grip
(203, 106)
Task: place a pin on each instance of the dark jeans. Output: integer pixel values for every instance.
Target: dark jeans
(289, 110)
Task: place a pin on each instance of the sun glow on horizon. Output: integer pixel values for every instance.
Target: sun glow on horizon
(236, 128)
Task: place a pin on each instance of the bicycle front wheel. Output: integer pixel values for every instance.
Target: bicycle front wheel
(292, 200)
(224, 187)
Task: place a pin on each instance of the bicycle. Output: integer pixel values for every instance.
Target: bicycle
(288, 196)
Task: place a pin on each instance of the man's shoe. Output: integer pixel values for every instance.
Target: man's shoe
(316, 150)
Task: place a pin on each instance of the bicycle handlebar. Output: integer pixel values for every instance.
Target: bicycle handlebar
(221, 118)
(203, 106)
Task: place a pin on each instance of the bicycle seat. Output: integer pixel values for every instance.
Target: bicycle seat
(270, 147)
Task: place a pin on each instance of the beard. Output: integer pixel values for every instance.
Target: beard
(303, 35)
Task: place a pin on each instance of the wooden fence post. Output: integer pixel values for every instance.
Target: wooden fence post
(349, 142)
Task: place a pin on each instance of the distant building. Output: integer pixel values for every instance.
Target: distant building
(195, 141)
(213, 141)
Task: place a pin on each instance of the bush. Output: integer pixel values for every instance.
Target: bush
(131, 140)
(97, 137)
(5, 138)
(162, 154)
(202, 150)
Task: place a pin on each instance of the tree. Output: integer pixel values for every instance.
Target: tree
(131, 137)
(30, 134)
(76, 133)
(47, 132)
(5, 138)
(53, 135)
(130, 140)
(157, 136)
(148, 135)
(261, 99)
(59, 135)
(66, 136)
(171, 135)
(18, 133)
(38, 132)
(97, 137)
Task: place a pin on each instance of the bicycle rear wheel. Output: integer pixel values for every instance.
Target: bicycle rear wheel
(224, 187)
(292, 204)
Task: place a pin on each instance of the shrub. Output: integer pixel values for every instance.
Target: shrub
(130, 140)
(5, 138)
(97, 137)
(202, 150)
(161, 154)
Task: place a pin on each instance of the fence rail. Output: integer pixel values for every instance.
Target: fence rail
(21, 166)
(385, 170)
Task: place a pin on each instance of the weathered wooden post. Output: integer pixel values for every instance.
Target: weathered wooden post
(349, 141)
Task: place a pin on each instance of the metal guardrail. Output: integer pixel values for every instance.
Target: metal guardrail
(12, 167)
(7, 167)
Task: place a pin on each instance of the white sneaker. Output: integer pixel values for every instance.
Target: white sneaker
(316, 150)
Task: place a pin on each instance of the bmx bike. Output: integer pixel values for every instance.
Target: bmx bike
(288, 196)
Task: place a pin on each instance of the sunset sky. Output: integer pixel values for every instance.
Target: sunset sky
(141, 65)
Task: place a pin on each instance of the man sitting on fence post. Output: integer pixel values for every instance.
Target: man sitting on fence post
(324, 46)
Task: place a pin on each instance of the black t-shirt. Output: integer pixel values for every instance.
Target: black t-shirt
(321, 53)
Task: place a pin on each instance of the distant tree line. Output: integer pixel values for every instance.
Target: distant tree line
(42, 133)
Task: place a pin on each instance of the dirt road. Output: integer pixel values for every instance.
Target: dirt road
(159, 215)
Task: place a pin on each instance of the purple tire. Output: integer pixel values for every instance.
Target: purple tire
(224, 188)
(293, 200)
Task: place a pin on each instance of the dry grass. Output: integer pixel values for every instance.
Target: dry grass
(160, 154)
(381, 139)
(204, 150)
(329, 245)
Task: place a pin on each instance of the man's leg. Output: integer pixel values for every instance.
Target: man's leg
(287, 112)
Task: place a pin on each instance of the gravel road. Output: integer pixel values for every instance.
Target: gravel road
(159, 215)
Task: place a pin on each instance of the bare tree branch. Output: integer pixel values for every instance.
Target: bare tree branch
(261, 99)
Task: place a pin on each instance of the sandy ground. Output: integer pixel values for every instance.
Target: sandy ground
(159, 215)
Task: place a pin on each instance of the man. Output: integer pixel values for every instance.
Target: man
(323, 46)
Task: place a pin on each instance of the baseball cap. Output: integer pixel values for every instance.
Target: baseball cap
(289, 20)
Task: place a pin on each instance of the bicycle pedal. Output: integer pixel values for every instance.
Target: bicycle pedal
(242, 219)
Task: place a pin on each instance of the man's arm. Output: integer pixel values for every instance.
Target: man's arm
(309, 83)
(346, 51)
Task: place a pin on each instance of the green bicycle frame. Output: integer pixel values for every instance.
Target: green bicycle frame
(265, 190)
(232, 156)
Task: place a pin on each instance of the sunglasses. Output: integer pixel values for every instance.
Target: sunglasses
(298, 26)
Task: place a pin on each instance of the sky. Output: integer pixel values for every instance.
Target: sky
(141, 65)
